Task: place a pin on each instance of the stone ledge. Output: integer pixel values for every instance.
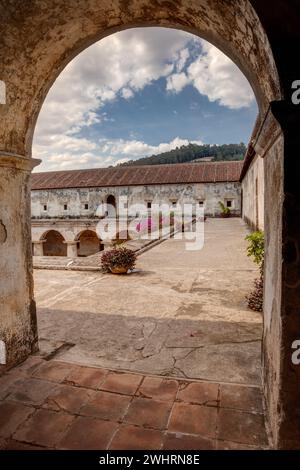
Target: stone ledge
(19, 162)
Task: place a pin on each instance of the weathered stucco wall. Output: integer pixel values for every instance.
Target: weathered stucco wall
(75, 199)
(253, 188)
(272, 340)
(17, 307)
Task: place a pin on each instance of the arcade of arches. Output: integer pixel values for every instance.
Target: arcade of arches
(54, 243)
(40, 38)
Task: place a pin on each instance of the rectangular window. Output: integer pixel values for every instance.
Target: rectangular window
(149, 204)
(65, 207)
(86, 206)
(45, 207)
(229, 204)
(201, 203)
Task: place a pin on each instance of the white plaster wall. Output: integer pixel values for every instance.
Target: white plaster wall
(210, 193)
(253, 206)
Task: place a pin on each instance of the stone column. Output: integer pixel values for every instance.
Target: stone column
(38, 249)
(107, 244)
(285, 343)
(18, 327)
(72, 249)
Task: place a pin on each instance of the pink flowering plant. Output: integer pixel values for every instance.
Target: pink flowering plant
(118, 257)
(151, 224)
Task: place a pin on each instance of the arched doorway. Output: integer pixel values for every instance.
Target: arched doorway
(54, 244)
(235, 28)
(111, 208)
(89, 243)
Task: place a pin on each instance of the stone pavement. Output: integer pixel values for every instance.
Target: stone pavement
(182, 314)
(56, 405)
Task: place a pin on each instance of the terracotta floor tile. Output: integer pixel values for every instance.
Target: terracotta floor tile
(12, 414)
(29, 366)
(8, 382)
(159, 389)
(130, 437)
(32, 391)
(241, 427)
(3, 443)
(180, 441)
(241, 398)
(193, 419)
(106, 405)
(199, 393)
(148, 413)
(67, 398)
(88, 433)
(226, 445)
(88, 377)
(16, 445)
(44, 428)
(53, 371)
(126, 384)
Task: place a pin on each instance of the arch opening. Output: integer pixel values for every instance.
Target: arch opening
(235, 29)
(54, 244)
(89, 243)
(111, 208)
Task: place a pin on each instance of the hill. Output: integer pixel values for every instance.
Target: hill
(194, 153)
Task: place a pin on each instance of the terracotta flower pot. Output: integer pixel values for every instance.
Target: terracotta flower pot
(119, 270)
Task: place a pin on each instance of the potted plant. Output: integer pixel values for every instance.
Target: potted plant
(225, 211)
(118, 260)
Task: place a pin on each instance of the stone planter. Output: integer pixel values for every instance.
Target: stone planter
(119, 270)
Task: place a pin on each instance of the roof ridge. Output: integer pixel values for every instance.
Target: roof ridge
(227, 162)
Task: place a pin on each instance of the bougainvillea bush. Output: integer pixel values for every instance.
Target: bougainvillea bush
(149, 224)
(145, 225)
(118, 257)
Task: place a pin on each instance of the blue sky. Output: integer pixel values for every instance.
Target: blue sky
(139, 92)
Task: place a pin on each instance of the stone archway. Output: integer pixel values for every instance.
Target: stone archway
(52, 33)
(89, 243)
(111, 206)
(54, 244)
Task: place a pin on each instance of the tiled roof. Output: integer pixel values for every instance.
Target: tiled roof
(208, 172)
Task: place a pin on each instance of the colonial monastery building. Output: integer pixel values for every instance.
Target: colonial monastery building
(65, 204)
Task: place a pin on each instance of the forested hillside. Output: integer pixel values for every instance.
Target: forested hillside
(192, 152)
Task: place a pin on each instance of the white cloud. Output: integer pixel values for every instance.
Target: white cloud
(72, 153)
(183, 56)
(214, 75)
(127, 93)
(177, 82)
(136, 148)
(119, 66)
(122, 63)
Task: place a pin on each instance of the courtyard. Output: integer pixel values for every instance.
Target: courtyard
(181, 313)
(167, 357)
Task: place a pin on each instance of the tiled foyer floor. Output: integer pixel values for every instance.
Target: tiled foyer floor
(57, 405)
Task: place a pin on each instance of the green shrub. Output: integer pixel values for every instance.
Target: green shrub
(225, 210)
(256, 251)
(256, 247)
